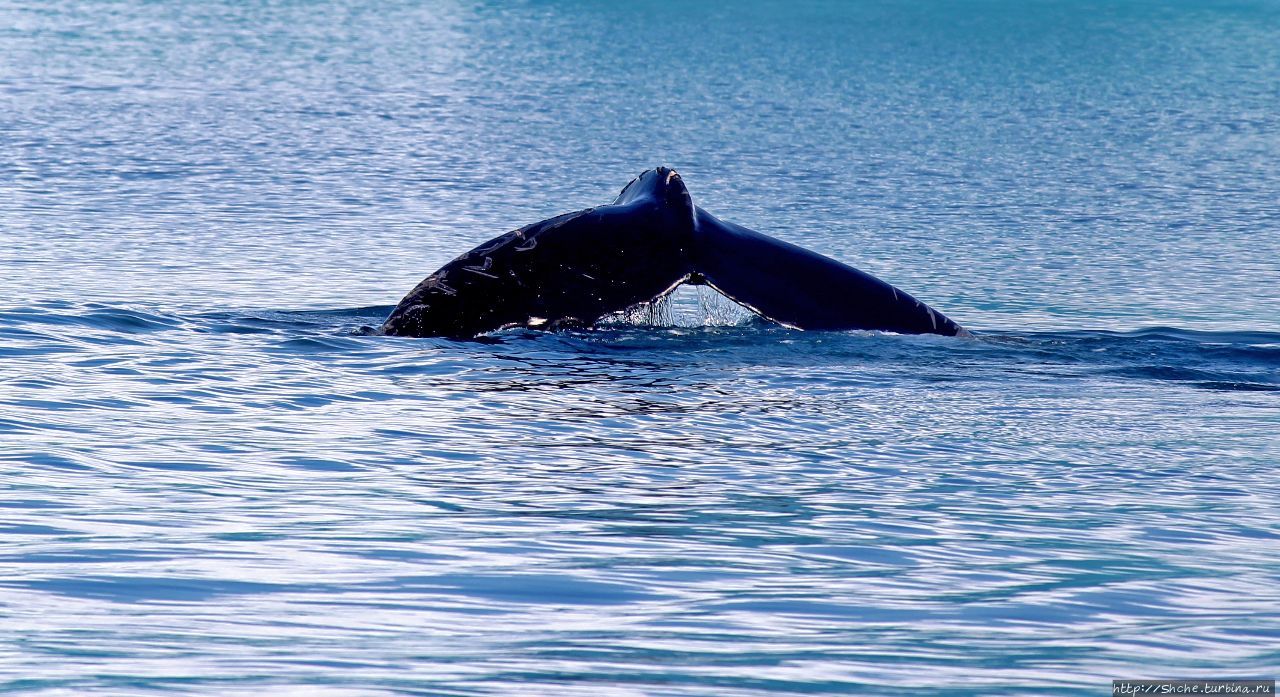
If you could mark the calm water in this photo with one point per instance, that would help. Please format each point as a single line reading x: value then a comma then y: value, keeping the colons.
x: 212, y: 483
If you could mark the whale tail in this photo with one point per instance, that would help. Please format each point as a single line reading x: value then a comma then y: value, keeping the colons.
x: 574, y: 269
x: 798, y: 288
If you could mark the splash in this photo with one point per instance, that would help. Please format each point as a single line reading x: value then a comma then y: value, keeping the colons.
x: 686, y: 306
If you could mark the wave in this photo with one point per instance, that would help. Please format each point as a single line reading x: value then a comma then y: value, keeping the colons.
x: 1217, y: 360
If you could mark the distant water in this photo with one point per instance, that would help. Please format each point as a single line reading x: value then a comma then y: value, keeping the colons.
x: 213, y: 483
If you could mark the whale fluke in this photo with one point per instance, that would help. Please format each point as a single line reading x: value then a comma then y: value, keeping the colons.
x: 574, y: 269
x: 799, y: 288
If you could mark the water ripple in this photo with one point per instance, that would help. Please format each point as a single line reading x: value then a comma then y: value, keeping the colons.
x: 1031, y: 507
x: 215, y: 479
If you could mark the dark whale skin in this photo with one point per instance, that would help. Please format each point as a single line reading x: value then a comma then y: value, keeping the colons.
x: 800, y: 288
x: 570, y: 270
x: 573, y: 269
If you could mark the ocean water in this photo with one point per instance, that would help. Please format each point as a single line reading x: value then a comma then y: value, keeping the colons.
x: 213, y: 483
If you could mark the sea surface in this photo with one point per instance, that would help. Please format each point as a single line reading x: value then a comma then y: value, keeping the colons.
x: 215, y: 481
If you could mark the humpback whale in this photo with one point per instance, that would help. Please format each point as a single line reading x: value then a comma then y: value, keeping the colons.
x: 574, y: 269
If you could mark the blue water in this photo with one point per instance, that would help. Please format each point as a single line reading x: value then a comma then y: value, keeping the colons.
x: 213, y: 483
